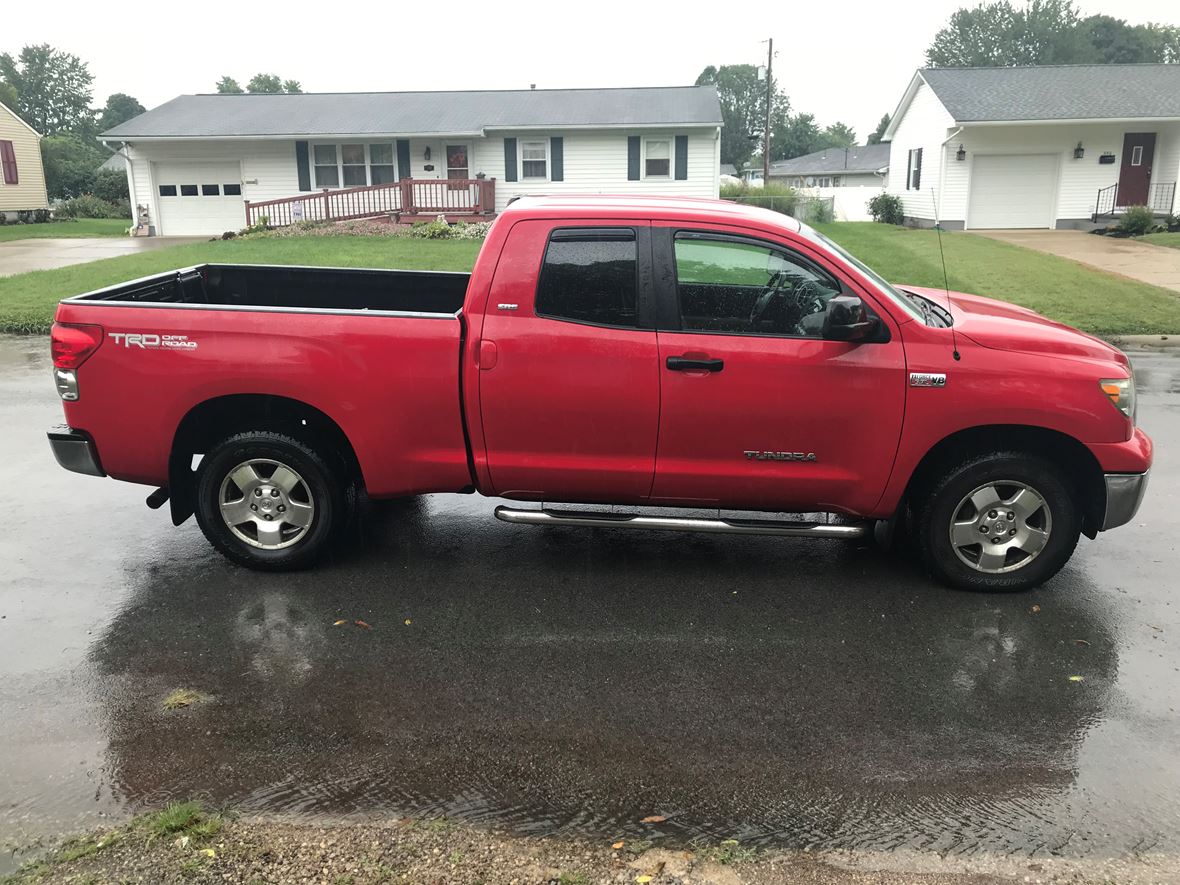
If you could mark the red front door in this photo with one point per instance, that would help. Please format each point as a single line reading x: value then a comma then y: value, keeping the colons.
x: 1135, y: 174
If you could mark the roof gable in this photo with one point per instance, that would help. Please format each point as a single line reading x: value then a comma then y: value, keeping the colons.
x: 421, y: 113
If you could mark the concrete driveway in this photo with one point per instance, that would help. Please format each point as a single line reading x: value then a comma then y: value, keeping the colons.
x: 1157, y: 265
x: 18, y: 256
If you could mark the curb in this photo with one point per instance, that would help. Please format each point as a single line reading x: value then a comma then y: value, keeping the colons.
x: 1147, y: 342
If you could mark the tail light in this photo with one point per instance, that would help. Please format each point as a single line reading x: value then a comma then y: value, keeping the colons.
x: 72, y: 345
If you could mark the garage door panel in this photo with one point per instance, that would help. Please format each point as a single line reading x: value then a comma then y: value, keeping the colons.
x: 199, y: 198
x: 1012, y: 190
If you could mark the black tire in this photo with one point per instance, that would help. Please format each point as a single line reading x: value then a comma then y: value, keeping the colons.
x: 939, y: 507
x: 331, y: 497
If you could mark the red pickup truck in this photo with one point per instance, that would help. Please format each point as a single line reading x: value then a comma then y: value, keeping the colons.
x: 640, y: 352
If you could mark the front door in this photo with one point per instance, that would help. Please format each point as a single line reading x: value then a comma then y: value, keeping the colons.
x: 1135, y: 174
x: 569, y: 392
x: 757, y: 410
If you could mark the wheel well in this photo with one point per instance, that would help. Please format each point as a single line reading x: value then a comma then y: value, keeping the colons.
x: 1082, y: 467
x: 213, y: 420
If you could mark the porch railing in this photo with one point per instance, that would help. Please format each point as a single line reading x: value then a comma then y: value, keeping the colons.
x: 1160, y: 197
x: 448, y: 196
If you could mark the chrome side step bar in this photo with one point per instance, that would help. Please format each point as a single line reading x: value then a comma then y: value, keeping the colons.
x: 680, y: 524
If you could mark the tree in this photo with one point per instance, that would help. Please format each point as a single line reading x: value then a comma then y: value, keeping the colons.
x: 879, y: 132
x: 228, y: 85
x: 265, y: 83
x: 8, y: 96
x: 837, y: 135
x: 119, y: 108
x: 71, y: 164
x: 52, y: 89
x: 292, y: 86
x: 795, y: 136
x: 743, y: 110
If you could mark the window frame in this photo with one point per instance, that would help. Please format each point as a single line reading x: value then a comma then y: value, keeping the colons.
x: 670, y: 142
x: 544, y: 142
x: 339, y: 147
x: 913, y: 170
x: 673, y: 233
x: 644, y: 301
x: 1137, y: 155
x: 9, y: 168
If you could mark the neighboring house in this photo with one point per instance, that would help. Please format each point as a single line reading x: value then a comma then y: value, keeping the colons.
x: 116, y: 162
x: 1038, y: 147
x: 857, y: 166
x: 196, y: 160
x: 22, y: 177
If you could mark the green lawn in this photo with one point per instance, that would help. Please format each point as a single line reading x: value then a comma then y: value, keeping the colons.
x: 1171, y: 240
x: 1100, y: 303
x: 83, y: 227
x: 1097, y: 302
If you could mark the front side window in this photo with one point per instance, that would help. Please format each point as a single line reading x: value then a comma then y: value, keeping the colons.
x: 534, y: 159
x: 657, y: 161
x: 326, y: 172
x: 381, y: 167
x: 741, y: 287
x: 914, y: 171
x: 8, y: 162
x: 590, y: 277
x: 352, y: 163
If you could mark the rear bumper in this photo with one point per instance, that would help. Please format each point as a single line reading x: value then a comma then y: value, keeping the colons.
x: 1124, y: 494
x: 75, y: 451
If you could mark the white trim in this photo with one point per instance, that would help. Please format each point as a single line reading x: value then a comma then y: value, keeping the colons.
x: 520, y: 143
x: 323, y: 137
x: 20, y: 120
x: 1073, y: 121
x: 669, y: 140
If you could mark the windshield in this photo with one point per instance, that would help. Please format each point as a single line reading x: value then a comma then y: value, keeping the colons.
x: 909, y: 302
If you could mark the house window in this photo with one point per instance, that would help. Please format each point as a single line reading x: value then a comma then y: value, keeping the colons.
x: 457, y: 162
x: 913, y: 180
x: 534, y: 159
x: 1137, y: 155
x: 188, y: 190
x: 381, y: 168
x: 327, y: 174
x: 352, y: 162
x: 657, y: 158
x: 167, y: 190
x: 210, y: 190
x: 231, y: 190
x: 8, y: 161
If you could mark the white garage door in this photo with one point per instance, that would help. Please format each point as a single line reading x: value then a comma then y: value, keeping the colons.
x: 1012, y: 191
x: 199, y: 198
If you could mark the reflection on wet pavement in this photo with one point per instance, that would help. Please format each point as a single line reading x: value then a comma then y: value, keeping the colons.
x: 806, y: 694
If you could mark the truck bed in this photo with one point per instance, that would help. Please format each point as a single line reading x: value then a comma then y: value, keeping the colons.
x: 279, y: 287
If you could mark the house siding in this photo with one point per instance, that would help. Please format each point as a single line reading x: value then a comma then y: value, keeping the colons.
x: 925, y: 124
x: 29, y: 191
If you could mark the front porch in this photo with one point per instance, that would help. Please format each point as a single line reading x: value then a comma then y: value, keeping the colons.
x: 401, y: 202
x: 1111, y: 202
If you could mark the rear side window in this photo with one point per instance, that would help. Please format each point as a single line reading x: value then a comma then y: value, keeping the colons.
x: 590, y: 276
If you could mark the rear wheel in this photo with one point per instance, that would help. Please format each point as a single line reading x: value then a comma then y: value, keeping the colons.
x: 269, y: 501
x: 1002, y: 521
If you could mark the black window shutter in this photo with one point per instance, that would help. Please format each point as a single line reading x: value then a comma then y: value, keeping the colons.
x: 510, y: 159
x: 681, y: 158
x: 556, y: 159
x: 302, y: 164
x: 403, y: 159
x: 918, y: 169
x: 633, y: 158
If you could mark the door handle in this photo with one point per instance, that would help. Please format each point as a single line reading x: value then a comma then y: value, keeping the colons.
x: 686, y: 364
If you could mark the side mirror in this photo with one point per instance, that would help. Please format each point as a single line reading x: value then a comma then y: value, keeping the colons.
x: 847, y: 319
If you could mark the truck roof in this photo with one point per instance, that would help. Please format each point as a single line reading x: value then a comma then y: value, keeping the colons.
x: 647, y: 207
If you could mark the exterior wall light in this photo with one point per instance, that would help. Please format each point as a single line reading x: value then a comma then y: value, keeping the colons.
x: 426, y: 154
x: 1079, y: 151
x: 960, y: 154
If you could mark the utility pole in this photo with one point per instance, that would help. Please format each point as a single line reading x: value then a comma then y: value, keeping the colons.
x: 766, y: 130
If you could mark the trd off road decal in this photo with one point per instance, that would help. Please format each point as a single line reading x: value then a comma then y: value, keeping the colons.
x: 779, y: 456
x: 149, y: 340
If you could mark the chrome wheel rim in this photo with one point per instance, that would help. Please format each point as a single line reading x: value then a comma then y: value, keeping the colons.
x: 266, y: 504
x: 1000, y: 527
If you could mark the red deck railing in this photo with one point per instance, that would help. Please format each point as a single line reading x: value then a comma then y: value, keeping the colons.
x: 453, y: 196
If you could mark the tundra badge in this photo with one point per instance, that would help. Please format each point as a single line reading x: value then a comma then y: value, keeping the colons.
x: 779, y: 456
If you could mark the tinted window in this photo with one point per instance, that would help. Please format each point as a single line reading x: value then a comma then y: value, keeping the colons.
x: 188, y: 190
x: 232, y: 190
x: 167, y: 190
x: 590, y: 278
x: 210, y: 190
x: 747, y: 288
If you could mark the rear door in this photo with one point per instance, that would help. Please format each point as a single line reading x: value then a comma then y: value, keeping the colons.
x: 569, y: 383
x: 758, y: 411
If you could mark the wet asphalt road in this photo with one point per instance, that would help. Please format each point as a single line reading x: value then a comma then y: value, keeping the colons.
x: 778, y: 691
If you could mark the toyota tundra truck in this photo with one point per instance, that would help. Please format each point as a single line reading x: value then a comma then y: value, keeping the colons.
x: 661, y: 355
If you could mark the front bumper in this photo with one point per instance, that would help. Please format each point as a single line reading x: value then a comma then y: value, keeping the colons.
x: 1124, y: 494
x: 75, y: 451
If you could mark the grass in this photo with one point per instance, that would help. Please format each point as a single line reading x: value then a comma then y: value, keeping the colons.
x: 1089, y: 299
x: 183, y: 697
x: 1097, y: 302
x: 182, y: 819
x: 1171, y: 240
x: 83, y: 227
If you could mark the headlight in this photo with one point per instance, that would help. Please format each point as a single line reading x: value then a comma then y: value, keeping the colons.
x: 1121, y: 392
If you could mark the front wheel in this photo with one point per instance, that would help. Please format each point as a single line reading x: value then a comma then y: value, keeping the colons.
x: 269, y: 501
x: 1003, y: 521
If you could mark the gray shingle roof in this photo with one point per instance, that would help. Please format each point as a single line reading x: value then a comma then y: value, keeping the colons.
x: 1063, y: 92
x: 858, y: 158
x: 411, y: 113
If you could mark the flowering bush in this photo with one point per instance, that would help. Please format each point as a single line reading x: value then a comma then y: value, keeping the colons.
x: 438, y: 229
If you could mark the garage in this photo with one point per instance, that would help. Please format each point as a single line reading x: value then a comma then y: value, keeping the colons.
x: 1012, y: 191
x: 198, y: 198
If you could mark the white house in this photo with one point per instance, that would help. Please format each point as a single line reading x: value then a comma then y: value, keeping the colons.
x: 861, y: 165
x: 200, y: 164
x: 1066, y: 146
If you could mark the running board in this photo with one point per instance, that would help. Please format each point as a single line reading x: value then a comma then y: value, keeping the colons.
x: 681, y: 524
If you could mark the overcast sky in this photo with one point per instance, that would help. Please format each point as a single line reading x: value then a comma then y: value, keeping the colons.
x: 846, y: 61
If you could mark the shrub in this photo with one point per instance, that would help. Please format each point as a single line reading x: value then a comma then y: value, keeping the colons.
x: 1172, y: 223
x: 90, y: 206
x: 886, y: 208
x: 111, y: 185
x: 819, y: 211
x: 1136, y: 221
x: 775, y: 197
